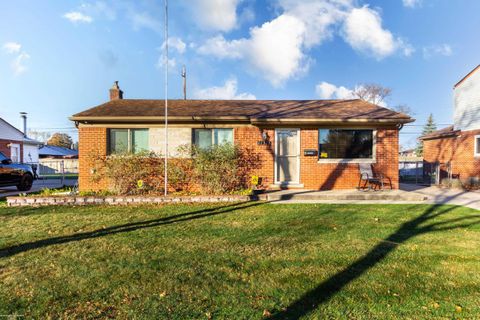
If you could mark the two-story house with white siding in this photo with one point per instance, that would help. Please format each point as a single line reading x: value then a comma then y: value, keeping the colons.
x: 457, y: 148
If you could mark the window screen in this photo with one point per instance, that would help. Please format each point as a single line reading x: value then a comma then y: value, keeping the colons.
x: 202, y: 138
x: 118, y: 141
x: 139, y: 140
x: 205, y: 138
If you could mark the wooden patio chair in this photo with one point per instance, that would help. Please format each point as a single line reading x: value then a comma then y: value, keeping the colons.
x: 370, y: 178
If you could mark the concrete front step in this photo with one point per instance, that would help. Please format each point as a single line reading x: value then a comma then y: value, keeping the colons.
x: 355, y: 195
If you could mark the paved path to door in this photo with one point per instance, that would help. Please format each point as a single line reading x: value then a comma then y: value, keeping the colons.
x: 438, y: 195
x: 408, y: 194
x: 37, y: 186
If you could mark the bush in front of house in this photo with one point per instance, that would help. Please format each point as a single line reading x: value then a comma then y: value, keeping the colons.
x: 143, y: 173
x: 224, y: 168
x: 219, y: 169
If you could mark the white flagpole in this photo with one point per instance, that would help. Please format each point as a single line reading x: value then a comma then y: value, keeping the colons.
x: 166, y: 98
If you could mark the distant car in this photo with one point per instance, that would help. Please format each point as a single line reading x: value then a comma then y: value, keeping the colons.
x: 15, y: 174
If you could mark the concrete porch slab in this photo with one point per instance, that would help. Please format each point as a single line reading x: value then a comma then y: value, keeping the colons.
x: 342, y: 195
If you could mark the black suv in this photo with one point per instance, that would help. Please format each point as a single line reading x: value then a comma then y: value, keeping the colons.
x: 15, y: 174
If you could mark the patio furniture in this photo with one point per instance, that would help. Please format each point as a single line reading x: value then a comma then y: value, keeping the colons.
x: 370, y: 178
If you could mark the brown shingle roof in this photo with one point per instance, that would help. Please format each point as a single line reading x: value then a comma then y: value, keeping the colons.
x: 248, y: 110
x: 442, y: 133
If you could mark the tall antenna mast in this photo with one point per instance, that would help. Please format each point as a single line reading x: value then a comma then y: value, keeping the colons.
x: 166, y: 99
x: 184, y: 76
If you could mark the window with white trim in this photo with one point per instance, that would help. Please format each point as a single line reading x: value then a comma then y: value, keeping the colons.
x: 127, y: 141
x: 205, y: 138
x: 477, y: 146
x: 345, y: 144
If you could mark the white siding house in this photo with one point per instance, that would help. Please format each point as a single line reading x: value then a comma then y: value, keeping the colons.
x: 16, y: 146
x: 467, y: 102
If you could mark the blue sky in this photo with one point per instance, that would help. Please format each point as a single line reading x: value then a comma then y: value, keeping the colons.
x: 60, y: 57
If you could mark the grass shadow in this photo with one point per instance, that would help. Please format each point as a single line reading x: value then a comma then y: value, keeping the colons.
x: 412, y: 228
x: 128, y: 227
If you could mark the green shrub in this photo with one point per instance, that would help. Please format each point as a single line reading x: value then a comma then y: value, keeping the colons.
x: 217, y: 170
x: 224, y: 168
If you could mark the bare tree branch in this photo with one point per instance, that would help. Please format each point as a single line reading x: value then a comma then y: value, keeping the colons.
x: 373, y: 93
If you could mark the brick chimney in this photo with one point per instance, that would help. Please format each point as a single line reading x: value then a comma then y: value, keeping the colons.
x: 115, y: 92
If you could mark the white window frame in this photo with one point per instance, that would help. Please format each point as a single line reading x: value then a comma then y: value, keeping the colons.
x: 476, y: 151
x: 213, y: 134
x: 129, y: 139
x: 356, y: 160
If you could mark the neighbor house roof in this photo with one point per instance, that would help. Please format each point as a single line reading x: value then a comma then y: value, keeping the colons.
x: 21, y: 135
x: 254, y: 111
x: 467, y: 76
x: 442, y: 133
x: 55, y: 151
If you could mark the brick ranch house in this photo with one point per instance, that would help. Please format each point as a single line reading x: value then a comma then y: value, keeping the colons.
x: 313, y: 144
x: 456, y: 149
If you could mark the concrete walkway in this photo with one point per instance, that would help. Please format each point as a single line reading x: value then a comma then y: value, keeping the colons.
x: 408, y: 194
x: 37, y: 186
x: 437, y: 195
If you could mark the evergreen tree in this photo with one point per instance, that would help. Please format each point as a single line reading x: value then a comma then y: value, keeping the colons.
x: 429, y: 127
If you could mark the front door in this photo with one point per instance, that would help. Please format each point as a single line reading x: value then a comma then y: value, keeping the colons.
x: 287, y: 156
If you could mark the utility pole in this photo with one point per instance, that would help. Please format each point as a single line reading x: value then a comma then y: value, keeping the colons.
x: 166, y: 99
x: 184, y: 76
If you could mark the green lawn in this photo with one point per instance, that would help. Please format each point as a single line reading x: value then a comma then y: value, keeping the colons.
x: 244, y: 261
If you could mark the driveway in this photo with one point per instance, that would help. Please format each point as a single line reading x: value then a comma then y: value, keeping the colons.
x: 438, y: 195
x: 37, y: 186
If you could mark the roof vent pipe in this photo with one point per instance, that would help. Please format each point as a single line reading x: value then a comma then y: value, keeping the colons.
x: 184, y: 76
x: 23, y: 115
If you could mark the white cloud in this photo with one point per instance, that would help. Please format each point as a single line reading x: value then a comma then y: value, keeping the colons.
x: 228, y: 92
x: 219, y: 15
x: 437, y: 50
x: 279, y: 49
x: 172, y: 62
x: 12, y: 47
x: 327, y: 90
x: 221, y: 48
x: 18, y: 64
x: 319, y: 17
x: 364, y: 32
x: 412, y: 3
x: 77, y: 17
x: 100, y: 8
x: 175, y: 43
x: 274, y: 49
x: 145, y: 20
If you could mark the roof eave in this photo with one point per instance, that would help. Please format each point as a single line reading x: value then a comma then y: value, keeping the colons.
x: 239, y: 119
x: 330, y: 121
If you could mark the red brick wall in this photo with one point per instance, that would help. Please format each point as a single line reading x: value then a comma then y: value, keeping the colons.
x: 322, y: 176
x: 248, y: 137
x: 457, y: 150
x: 314, y: 175
x: 326, y: 176
x: 6, y: 150
x: 92, y: 143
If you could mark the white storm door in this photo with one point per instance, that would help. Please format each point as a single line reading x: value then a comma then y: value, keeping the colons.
x: 287, y: 156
